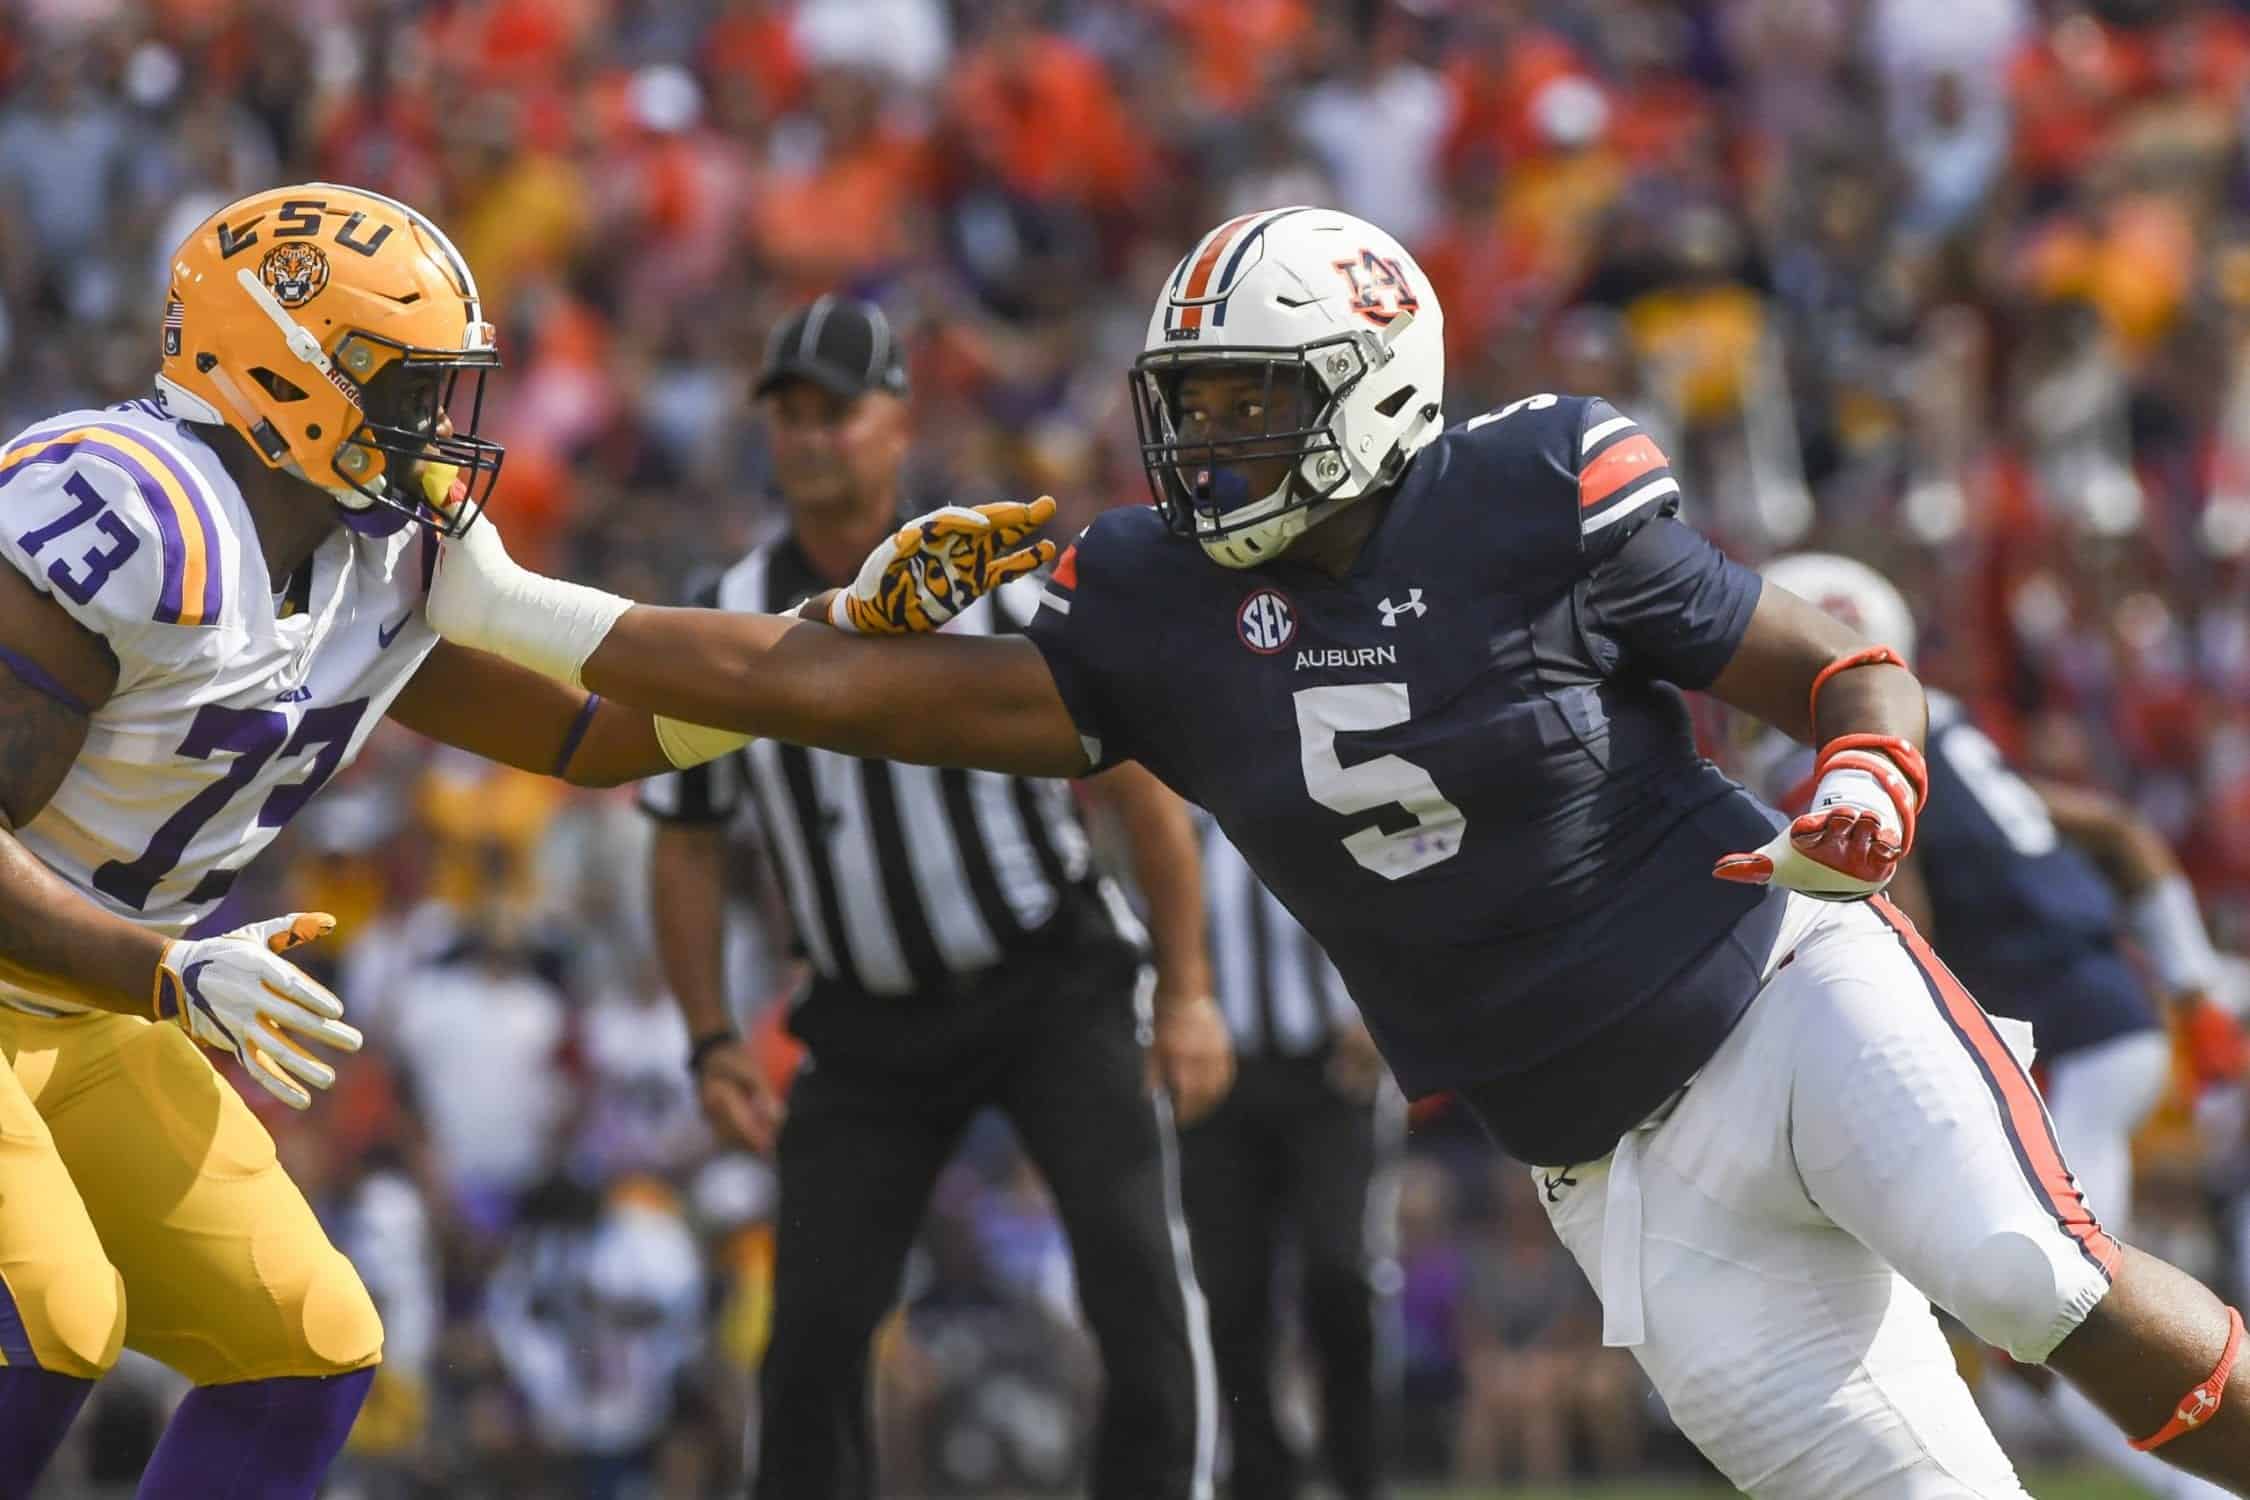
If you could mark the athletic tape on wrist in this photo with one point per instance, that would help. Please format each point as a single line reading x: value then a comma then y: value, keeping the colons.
x: 686, y: 744
x: 1894, y: 763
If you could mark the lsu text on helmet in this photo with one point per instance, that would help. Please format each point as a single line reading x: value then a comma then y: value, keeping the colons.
x: 1316, y: 299
x: 340, y: 333
x: 1851, y: 591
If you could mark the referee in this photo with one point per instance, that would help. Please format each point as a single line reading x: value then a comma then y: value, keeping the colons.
x: 1306, y: 1138
x: 965, y: 952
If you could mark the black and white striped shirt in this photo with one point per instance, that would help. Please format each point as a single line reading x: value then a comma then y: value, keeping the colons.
x: 897, y: 876
x: 1280, y: 994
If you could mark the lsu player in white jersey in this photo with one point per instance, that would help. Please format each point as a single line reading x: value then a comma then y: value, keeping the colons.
x: 211, y: 597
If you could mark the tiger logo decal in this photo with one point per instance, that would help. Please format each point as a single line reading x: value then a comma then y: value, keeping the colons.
x: 295, y: 271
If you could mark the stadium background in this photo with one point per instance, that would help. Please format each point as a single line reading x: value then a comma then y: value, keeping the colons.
x: 1961, y: 287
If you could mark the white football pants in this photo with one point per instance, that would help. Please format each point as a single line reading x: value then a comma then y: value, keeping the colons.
x: 1865, y: 1143
x: 2098, y: 1097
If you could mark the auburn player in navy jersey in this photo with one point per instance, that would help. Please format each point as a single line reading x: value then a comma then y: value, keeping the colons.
x: 1429, y: 680
x: 2030, y: 892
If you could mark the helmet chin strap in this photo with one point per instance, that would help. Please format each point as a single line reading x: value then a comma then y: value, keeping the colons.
x: 1232, y: 550
x: 372, y: 520
x: 361, y: 514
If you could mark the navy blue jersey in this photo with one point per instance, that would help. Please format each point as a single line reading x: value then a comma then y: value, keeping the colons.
x: 2022, y: 915
x: 1464, y: 766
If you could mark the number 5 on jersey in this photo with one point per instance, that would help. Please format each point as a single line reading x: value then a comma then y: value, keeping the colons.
x: 1385, y: 781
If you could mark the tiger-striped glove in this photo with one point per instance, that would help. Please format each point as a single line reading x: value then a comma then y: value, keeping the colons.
x: 234, y: 993
x: 936, y: 566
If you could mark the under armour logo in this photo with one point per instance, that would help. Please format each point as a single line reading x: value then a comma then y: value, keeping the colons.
x: 2197, y: 1407
x: 1555, y: 1183
x: 1413, y: 605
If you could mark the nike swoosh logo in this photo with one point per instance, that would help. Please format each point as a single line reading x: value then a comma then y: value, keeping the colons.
x: 384, y: 637
x: 190, y: 981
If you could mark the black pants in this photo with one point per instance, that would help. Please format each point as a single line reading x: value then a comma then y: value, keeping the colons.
x: 1060, y: 1057
x: 1285, y: 1148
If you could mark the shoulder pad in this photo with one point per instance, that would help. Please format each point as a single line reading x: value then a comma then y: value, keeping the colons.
x: 1576, y: 473
x: 1127, y: 528
x: 115, y: 522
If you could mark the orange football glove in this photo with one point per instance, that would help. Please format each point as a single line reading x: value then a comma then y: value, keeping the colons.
x: 1861, y: 824
x: 2217, y: 1050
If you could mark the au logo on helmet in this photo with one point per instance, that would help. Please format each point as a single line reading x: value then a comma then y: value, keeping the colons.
x: 1380, y: 290
x: 295, y: 271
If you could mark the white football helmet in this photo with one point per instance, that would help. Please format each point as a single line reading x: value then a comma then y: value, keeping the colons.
x: 1317, y: 298
x: 1851, y: 591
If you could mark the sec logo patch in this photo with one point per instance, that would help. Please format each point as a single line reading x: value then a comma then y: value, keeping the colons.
x: 1267, y: 621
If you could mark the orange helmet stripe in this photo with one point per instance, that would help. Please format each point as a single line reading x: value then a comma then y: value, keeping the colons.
x: 190, y: 592
x: 1199, y: 279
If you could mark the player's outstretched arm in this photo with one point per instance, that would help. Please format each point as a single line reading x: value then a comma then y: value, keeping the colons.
x: 477, y: 702
x: 2161, y: 911
x: 932, y: 699
x: 2163, y: 918
x: 943, y: 700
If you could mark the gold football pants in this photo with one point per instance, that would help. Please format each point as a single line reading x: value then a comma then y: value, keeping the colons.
x: 141, y: 1203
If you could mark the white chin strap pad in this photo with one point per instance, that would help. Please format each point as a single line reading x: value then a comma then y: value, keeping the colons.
x: 1266, y: 540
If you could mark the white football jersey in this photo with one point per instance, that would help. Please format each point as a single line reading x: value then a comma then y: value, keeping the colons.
x: 229, y: 713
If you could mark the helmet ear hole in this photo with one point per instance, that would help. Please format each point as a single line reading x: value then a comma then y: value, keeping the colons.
x: 276, y: 386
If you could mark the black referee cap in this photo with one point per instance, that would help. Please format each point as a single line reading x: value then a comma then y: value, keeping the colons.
x: 841, y: 344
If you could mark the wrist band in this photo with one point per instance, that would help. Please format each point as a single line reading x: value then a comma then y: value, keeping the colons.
x: 1866, y: 656
x: 704, y: 1046
x: 2201, y: 1403
x: 576, y: 733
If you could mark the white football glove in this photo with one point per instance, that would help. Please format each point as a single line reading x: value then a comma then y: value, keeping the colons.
x: 481, y: 597
x: 937, y: 565
x: 233, y: 993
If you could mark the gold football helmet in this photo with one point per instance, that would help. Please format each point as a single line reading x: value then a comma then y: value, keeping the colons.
x: 339, y: 332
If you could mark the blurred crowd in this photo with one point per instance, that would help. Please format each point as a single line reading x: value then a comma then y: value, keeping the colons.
x: 1961, y: 287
